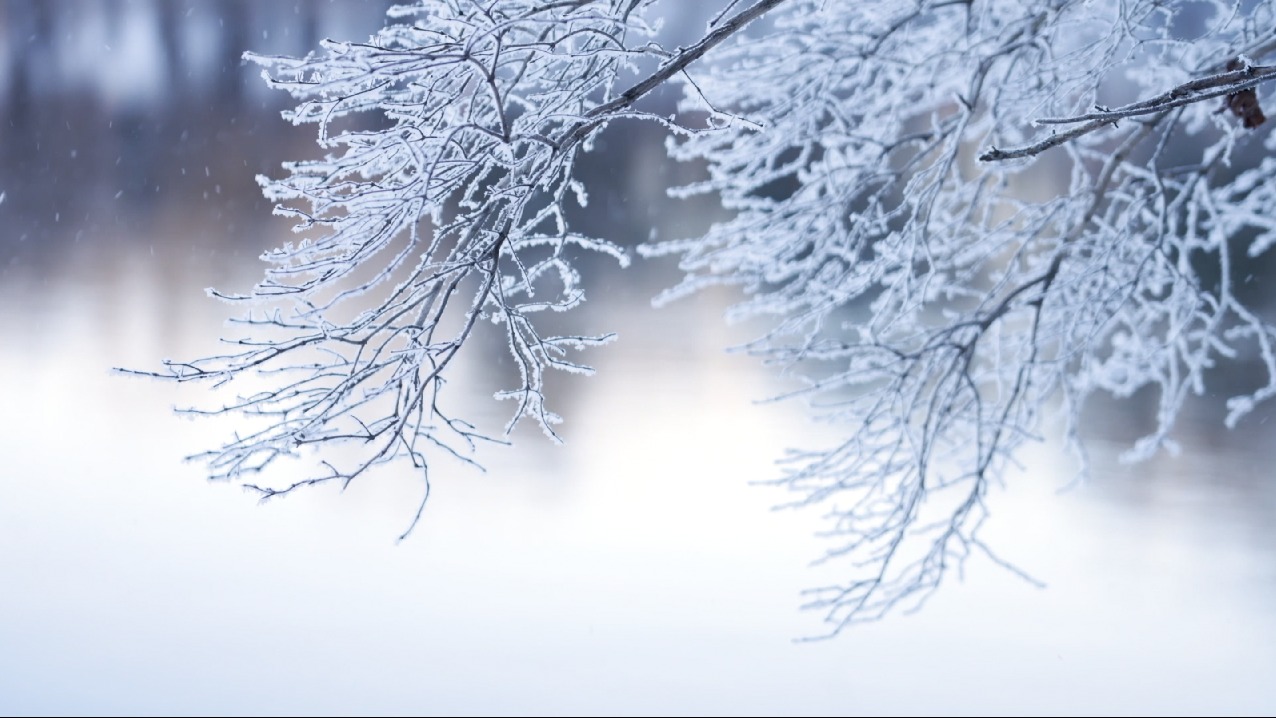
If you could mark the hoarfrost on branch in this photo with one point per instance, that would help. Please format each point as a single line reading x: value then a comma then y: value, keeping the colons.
x: 956, y: 216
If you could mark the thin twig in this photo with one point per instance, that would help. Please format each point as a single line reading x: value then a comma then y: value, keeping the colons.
x: 1198, y: 90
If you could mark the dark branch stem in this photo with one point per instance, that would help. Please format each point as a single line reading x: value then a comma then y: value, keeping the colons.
x: 668, y: 70
x: 1198, y: 90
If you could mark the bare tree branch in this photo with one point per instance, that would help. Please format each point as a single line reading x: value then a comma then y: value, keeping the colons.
x: 1199, y: 90
x: 935, y: 309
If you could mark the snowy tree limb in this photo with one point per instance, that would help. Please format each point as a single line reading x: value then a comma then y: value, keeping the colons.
x: 1199, y: 90
x: 935, y: 309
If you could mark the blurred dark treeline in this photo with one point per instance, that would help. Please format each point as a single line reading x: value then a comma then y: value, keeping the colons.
x: 117, y: 112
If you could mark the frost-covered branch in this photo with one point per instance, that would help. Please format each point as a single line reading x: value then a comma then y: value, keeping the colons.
x: 1227, y: 84
x: 937, y: 309
x: 442, y: 208
x: 933, y: 303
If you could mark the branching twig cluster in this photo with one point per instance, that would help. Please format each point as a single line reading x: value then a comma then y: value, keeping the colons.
x: 451, y: 215
x: 925, y: 295
x: 927, y: 304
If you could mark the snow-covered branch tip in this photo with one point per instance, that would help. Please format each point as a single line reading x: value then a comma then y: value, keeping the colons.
x: 1236, y: 85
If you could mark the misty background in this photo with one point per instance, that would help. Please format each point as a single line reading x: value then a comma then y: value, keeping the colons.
x: 634, y: 570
